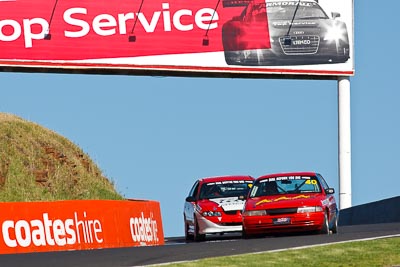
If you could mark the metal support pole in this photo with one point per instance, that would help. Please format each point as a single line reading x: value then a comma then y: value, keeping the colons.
x: 344, y: 142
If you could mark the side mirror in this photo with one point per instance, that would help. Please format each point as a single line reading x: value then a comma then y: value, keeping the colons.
x: 330, y: 191
x: 335, y: 15
x: 191, y: 199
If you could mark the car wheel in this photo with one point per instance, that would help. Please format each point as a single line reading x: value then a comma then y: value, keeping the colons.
x: 325, y: 226
x: 334, y: 228
x: 245, y: 235
x: 229, y: 57
x: 197, y: 236
x: 188, y: 237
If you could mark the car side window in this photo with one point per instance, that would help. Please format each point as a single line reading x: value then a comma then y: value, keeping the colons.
x: 194, y: 190
x: 323, y: 182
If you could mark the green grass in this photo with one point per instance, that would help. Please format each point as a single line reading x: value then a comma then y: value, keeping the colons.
x: 379, y: 252
x: 37, y: 164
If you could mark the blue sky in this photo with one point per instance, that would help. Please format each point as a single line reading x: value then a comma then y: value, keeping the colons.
x: 154, y: 136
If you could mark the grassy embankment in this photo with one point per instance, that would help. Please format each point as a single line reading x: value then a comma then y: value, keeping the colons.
x: 380, y: 252
x: 37, y: 164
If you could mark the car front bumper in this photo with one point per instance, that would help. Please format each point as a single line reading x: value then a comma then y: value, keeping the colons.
x: 298, y: 222
x: 324, y: 53
x: 208, y: 227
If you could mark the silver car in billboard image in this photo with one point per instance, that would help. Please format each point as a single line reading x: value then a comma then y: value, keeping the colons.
x: 277, y: 32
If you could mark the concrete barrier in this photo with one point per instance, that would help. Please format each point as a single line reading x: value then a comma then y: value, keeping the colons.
x: 383, y: 211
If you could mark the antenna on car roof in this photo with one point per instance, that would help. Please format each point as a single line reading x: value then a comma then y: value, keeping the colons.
x: 206, y: 42
x: 132, y: 37
x: 287, y: 40
x: 47, y: 35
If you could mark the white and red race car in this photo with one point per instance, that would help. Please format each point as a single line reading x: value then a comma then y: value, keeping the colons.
x: 214, y: 206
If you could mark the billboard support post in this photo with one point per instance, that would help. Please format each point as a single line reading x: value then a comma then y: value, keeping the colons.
x: 344, y: 142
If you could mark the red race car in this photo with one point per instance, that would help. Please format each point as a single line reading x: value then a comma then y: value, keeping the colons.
x: 290, y: 202
x: 214, y: 206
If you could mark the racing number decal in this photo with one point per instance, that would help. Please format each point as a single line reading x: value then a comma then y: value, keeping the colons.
x: 314, y: 182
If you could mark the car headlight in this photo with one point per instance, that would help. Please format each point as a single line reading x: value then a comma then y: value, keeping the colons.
x: 309, y: 209
x: 254, y: 213
x: 211, y: 213
x: 335, y: 33
x: 198, y: 208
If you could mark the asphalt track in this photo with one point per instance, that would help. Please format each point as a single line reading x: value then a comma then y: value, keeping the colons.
x: 176, y: 249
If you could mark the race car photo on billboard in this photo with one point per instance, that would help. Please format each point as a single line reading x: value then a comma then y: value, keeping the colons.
x: 290, y: 202
x: 214, y: 206
x: 277, y: 32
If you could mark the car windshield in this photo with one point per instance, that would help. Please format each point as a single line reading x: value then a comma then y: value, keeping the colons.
x: 287, y: 9
x: 225, y: 189
x: 285, y: 185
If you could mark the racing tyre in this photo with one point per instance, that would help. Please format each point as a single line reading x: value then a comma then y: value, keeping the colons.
x: 188, y: 237
x: 245, y: 235
x: 325, y: 226
x: 229, y: 58
x: 334, y: 228
x: 197, y: 237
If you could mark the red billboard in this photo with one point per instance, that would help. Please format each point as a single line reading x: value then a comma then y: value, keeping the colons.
x: 79, y: 225
x: 209, y: 36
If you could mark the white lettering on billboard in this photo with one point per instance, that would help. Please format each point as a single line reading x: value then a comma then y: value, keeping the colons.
x: 107, y: 24
x: 16, y: 30
x: 48, y: 232
x: 144, y: 229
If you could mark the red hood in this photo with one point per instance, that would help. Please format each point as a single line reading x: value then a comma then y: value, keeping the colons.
x: 283, y: 201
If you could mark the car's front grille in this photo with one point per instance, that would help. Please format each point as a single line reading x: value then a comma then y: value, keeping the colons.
x: 299, y: 45
x: 231, y: 224
x: 281, y: 211
x: 231, y: 212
